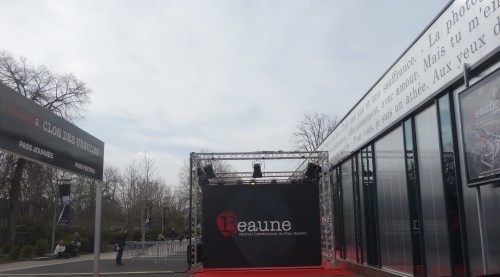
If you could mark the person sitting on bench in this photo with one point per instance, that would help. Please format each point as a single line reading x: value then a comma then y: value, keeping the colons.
x: 71, y: 249
x: 60, y: 248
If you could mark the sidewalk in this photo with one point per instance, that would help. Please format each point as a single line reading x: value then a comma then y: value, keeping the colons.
x: 37, y: 263
x: 175, y: 267
x: 84, y: 265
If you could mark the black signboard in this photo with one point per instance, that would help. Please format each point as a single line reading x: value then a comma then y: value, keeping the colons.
x: 480, y: 115
x: 266, y: 225
x: 31, y: 131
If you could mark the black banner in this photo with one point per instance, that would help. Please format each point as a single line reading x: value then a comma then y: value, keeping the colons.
x: 480, y: 115
x: 267, y: 225
x: 64, y: 198
x: 31, y: 131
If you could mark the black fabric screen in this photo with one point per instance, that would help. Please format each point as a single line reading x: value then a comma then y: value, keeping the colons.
x: 266, y: 225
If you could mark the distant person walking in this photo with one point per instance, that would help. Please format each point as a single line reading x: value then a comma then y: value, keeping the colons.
x: 120, y: 239
x: 172, y: 234
x: 78, y: 243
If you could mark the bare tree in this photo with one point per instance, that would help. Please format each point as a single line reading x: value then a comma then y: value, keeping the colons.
x: 127, y: 193
x: 148, y: 189
x: 35, y: 195
x: 111, y: 181
x: 140, y: 190
x: 62, y: 94
x: 82, y: 201
x: 7, y: 163
x: 310, y: 132
x: 183, y: 192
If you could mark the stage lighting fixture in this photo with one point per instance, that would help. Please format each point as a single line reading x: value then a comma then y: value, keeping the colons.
x: 313, y: 170
x: 257, y: 173
x: 202, y: 176
x: 199, y: 171
x: 209, y: 170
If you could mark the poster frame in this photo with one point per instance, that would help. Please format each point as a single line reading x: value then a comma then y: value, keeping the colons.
x: 473, y: 178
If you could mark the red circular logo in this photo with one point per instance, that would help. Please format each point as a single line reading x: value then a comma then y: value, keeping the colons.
x: 227, y: 223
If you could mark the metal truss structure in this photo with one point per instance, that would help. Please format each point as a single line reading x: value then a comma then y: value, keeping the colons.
x: 198, y: 160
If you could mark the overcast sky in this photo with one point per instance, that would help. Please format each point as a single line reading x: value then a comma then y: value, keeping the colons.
x: 174, y: 77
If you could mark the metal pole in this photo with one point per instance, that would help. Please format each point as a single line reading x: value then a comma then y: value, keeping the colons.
x: 482, y: 232
x: 53, y: 247
x: 97, y: 231
x: 190, y: 228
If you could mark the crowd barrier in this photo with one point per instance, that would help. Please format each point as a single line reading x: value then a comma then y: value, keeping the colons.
x: 159, y: 251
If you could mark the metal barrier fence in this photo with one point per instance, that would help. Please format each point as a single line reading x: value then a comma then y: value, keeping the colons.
x: 159, y: 251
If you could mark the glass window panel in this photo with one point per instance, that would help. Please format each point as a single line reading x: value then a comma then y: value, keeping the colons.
x: 336, y: 201
x: 450, y: 184
x: 394, y: 221
x: 413, y: 197
x: 349, y: 219
x: 435, y: 226
x: 490, y: 194
x: 369, y: 208
x: 362, y: 211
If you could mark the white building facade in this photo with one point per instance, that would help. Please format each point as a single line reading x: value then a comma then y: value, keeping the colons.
x: 415, y: 164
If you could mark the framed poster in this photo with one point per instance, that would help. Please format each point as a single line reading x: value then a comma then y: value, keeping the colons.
x: 480, y: 116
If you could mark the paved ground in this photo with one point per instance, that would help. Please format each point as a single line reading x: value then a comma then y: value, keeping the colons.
x: 84, y: 266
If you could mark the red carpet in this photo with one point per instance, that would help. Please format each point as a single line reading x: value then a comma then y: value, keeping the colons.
x: 271, y: 272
